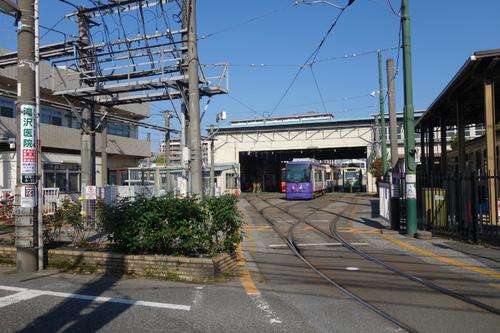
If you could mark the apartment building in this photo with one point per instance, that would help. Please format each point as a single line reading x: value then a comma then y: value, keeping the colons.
x: 60, y: 136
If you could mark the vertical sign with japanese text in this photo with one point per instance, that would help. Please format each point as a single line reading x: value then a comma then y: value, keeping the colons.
x: 28, y: 145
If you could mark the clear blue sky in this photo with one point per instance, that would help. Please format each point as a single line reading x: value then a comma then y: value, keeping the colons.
x: 444, y: 34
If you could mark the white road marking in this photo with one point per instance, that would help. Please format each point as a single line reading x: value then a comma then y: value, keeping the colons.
x: 266, y: 308
x: 18, y: 297
x: 24, y: 294
x: 352, y: 268
x: 198, y: 295
x: 282, y: 246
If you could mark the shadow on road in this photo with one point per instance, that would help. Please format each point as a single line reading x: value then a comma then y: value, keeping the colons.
x: 75, y: 315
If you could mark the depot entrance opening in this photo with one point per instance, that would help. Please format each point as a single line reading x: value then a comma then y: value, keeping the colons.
x: 262, y: 170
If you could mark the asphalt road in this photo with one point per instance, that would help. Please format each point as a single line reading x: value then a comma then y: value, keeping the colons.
x: 275, y: 291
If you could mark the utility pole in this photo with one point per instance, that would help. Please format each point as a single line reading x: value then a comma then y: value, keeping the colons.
x: 38, y: 137
x: 212, y: 162
x: 410, y: 167
x: 184, y: 139
x: 148, y: 161
x: 87, y: 177
x: 382, y: 114
x: 393, y: 120
x: 166, y: 148
x: 26, y: 147
x: 104, y: 152
x: 194, y: 104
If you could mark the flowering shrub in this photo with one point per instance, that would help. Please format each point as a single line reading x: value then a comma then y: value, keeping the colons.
x: 7, y: 214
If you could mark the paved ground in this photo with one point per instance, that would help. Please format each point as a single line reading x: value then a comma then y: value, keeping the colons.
x: 276, y: 291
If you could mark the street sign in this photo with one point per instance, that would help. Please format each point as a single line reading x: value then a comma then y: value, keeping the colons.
x: 90, y: 192
x: 28, y: 196
x: 28, y: 145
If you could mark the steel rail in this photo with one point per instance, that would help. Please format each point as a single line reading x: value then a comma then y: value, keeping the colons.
x: 289, y: 240
x: 334, y: 234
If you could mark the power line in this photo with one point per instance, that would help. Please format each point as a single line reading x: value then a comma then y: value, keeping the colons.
x: 342, y: 99
x: 253, y: 19
x: 392, y: 9
x: 346, y: 56
x: 318, y: 89
x: 312, y: 57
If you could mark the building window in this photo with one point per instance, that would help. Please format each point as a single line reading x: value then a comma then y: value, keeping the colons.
x: 119, y: 129
x: 231, y: 181
x: 64, y: 176
x: 479, y: 129
x: 51, y: 116
x: 6, y: 108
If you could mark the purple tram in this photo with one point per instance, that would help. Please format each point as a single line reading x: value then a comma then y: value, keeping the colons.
x: 305, y: 179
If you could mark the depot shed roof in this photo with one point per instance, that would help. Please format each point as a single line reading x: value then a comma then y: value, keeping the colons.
x: 465, y: 90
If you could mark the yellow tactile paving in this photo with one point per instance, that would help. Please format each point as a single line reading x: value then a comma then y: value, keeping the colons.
x: 442, y: 259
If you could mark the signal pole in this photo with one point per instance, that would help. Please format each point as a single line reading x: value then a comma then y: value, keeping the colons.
x: 409, y: 120
x: 26, y: 147
x: 382, y: 114
x: 194, y: 104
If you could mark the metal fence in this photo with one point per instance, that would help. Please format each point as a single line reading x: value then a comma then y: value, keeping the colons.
x: 457, y: 205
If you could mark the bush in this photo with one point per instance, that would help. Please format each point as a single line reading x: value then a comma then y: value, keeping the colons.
x: 174, y: 226
x: 69, y: 216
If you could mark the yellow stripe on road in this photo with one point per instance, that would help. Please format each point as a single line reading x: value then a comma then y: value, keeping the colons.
x: 245, y: 277
x: 442, y: 259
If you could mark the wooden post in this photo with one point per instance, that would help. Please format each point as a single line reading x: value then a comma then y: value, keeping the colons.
x: 491, y: 151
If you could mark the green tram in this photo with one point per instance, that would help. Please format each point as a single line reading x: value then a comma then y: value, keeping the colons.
x: 348, y: 179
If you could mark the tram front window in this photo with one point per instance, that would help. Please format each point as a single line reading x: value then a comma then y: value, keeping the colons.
x: 352, y: 175
x: 298, y: 173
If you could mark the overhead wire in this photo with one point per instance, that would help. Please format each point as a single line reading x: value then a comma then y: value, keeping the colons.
x: 250, y: 20
x: 311, y: 58
x: 317, y: 61
x: 318, y: 89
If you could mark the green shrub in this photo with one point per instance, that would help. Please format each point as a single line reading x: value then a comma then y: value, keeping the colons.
x: 171, y: 225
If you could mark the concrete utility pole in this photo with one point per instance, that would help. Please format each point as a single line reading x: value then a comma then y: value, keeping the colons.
x: 104, y: 152
x: 38, y: 137
x: 166, y: 148
x: 26, y: 147
x: 393, y: 121
x: 212, y: 163
x: 194, y: 104
x: 410, y: 166
x: 87, y: 176
x: 383, y: 138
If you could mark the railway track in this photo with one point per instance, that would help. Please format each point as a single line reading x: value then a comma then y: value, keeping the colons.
x: 334, y: 234
x: 289, y: 240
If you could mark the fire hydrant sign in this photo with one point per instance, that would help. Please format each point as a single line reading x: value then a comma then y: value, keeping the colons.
x: 28, y: 145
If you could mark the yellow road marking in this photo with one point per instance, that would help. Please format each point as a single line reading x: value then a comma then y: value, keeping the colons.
x: 445, y: 260
x: 245, y: 277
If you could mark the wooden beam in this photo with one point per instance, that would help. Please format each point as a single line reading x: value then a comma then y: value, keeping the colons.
x: 490, y: 124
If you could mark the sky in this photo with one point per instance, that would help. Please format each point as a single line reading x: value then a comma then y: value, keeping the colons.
x: 265, y: 41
